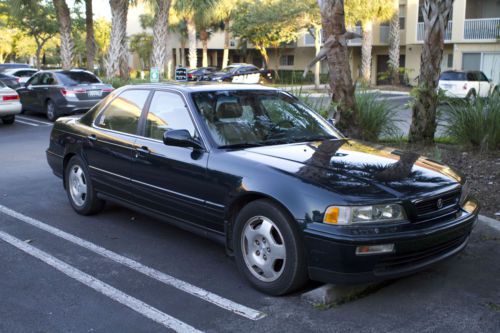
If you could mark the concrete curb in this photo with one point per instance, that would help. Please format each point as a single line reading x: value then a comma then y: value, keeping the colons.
x: 495, y: 224
x: 330, y: 294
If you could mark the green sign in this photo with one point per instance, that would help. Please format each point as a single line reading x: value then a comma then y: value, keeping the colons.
x: 154, y: 74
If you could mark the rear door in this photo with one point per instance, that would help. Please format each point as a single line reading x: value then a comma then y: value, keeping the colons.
x: 484, y: 85
x: 171, y: 180
x: 27, y: 93
x: 109, y: 148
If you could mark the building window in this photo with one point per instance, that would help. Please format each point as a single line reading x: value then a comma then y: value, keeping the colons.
x: 402, y: 17
x: 450, y: 60
x: 471, y: 61
x: 287, y: 60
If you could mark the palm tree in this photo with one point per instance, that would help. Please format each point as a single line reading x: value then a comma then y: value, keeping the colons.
x: 367, y: 12
x: 223, y: 11
x: 394, y: 31
x: 89, y: 39
x: 160, y: 33
x: 436, y: 14
x: 187, y: 10
x: 64, y: 18
x: 117, y: 44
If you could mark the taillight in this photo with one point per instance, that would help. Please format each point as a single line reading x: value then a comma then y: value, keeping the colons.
x: 71, y: 93
x: 108, y: 89
x: 10, y: 98
x: 465, y: 86
x: 190, y: 76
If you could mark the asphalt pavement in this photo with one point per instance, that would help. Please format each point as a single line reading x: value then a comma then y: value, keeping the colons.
x: 121, y: 271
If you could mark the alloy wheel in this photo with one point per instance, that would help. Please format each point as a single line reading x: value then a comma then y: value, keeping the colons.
x: 77, y: 185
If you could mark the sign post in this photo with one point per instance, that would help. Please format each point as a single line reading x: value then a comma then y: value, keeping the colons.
x: 181, y: 74
x: 154, y: 74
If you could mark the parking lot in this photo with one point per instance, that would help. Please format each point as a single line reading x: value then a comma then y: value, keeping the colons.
x: 121, y: 271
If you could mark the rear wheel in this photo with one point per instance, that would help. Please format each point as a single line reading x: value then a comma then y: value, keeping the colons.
x: 268, y: 249
x: 80, y: 190
x: 9, y: 120
x: 471, y: 97
x: 51, y: 109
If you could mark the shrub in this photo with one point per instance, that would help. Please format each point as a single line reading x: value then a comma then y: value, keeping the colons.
x: 475, y: 123
x: 377, y: 118
x: 295, y: 77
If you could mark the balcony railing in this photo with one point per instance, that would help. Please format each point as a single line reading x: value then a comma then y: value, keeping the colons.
x: 488, y: 28
x: 421, y: 31
x: 309, y: 39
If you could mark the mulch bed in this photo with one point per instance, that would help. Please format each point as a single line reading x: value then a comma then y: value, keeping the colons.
x: 481, y: 169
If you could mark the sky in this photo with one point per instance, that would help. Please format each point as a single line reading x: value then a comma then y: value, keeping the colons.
x: 100, y: 7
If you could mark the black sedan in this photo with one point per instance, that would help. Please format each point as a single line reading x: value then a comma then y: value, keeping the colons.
x: 62, y: 92
x: 242, y: 73
x: 201, y: 74
x: 254, y: 168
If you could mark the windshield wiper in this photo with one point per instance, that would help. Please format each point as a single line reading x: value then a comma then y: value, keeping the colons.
x: 313, y: 138
x: 241, y: 145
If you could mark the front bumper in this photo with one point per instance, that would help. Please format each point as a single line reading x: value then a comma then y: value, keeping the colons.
x: 333, y: 259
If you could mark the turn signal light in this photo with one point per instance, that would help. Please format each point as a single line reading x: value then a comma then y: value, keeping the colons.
x: 374, y: 249
x: 10, y: 98
x: 332, y: 215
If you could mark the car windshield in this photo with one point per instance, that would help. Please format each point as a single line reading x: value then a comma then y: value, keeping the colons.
x: 453, y: 76
x: 238, y: 119
x: 74, y: 78
x: 228, y: 69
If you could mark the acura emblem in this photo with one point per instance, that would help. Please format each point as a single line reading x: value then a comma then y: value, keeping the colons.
x: 439, y: 203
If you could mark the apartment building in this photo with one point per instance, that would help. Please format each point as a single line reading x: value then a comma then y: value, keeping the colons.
x: 471, y: 43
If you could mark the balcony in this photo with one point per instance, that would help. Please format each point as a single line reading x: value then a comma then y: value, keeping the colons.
x: 481, y: 29
x: 309, y: 39
x: 421, y: 31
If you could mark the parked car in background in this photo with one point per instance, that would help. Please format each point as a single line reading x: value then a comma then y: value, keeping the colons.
x: 23, y: 74
x: 465, y: 84
x: 62, y: 92
x: 9, y: 104
x: 257, y: 170
x: 201, y: 74
x: 10, y: 80
x: 242, y: 73
x: 10, y: 65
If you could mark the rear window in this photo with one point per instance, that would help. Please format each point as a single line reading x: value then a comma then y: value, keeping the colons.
x: 453, y: 76
x: 74, y: 78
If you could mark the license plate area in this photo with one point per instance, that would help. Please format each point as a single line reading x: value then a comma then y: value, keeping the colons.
x: 94, y: 93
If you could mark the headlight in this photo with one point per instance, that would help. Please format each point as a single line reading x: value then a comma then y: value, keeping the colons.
x: 343, y: 215
x: 464, y: 194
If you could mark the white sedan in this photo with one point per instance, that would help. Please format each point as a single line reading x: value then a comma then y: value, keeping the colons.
x: 23, y: 74
x: 9, y: 104
x: 465, y: 84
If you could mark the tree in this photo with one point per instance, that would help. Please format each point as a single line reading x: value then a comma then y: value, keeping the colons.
x: 186, y: 10
x: 160, y: 45
x: 367, y: 12
x: 436, y: 14
x: 311, y: 20
x: 102, y: 37
x: 90, y: 39
x: 117, y: 45
x: 266, y: 24
x: 64, y: 19
x: 394, y: 31
x: 142, y: 44
x: 336, y: 52
x: 224, y: 11
x: 36, y: 19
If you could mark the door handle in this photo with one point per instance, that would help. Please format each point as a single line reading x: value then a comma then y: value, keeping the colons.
x: 92, y: 137
x: 142, y: 150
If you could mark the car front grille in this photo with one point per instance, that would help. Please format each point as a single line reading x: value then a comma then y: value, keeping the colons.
x: 446, y: 204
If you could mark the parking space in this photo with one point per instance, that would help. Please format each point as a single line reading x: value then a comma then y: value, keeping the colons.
x: 121, y: 271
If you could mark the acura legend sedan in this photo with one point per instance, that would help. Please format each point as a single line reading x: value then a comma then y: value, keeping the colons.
x: 252, y: 167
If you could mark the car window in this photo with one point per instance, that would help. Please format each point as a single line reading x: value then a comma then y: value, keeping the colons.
x: 47, y: 79
x: 25, y: 73
x: 35, y: 80
x: 472, y: 76
x: 167, y: 112
x: 453, y: 76
x: 482, y: 77
x: 123, y: 113
x: 74, y: 78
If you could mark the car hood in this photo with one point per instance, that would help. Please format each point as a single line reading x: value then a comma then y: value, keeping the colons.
x: 353, y: 168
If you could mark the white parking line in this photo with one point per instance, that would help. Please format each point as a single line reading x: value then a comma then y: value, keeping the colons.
x: 34, y: 120
x: 203, y: 294
x: 133, y: 303
x: 26, y: 123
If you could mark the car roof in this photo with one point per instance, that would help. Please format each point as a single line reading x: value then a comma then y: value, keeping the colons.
x: 17, y: 69
x: 190, y: 87
x: 63, y: 71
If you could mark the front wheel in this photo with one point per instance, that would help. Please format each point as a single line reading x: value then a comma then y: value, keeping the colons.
x: 80, y: 190
x: 52, y: 114
x: 268, y: 248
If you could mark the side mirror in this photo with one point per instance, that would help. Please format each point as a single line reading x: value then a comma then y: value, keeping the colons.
x: 180, y: 138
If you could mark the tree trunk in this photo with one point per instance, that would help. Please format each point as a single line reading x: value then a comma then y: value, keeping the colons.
x: 436, y: 14
x: 160, y: 33
x: 169, y: 59
x: 191, y: 29
x: 366, y: 52
x: 333, y: 22
x: 264, y: 54
x: 225, y: 56
x: 119, y: 10
x: 317, y: 48
x: 394, y: 31
x: 183, y: 53
x: 37, y: 54
x: 204, y: 43
x: 64, y: 18
x: 90, y: 40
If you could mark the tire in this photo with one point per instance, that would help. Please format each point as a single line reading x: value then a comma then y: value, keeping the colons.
x: 471, y: 97
x: 268, y: 248
x: 79, y: 188
x: 51, y: 111
x: 9, y: 120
